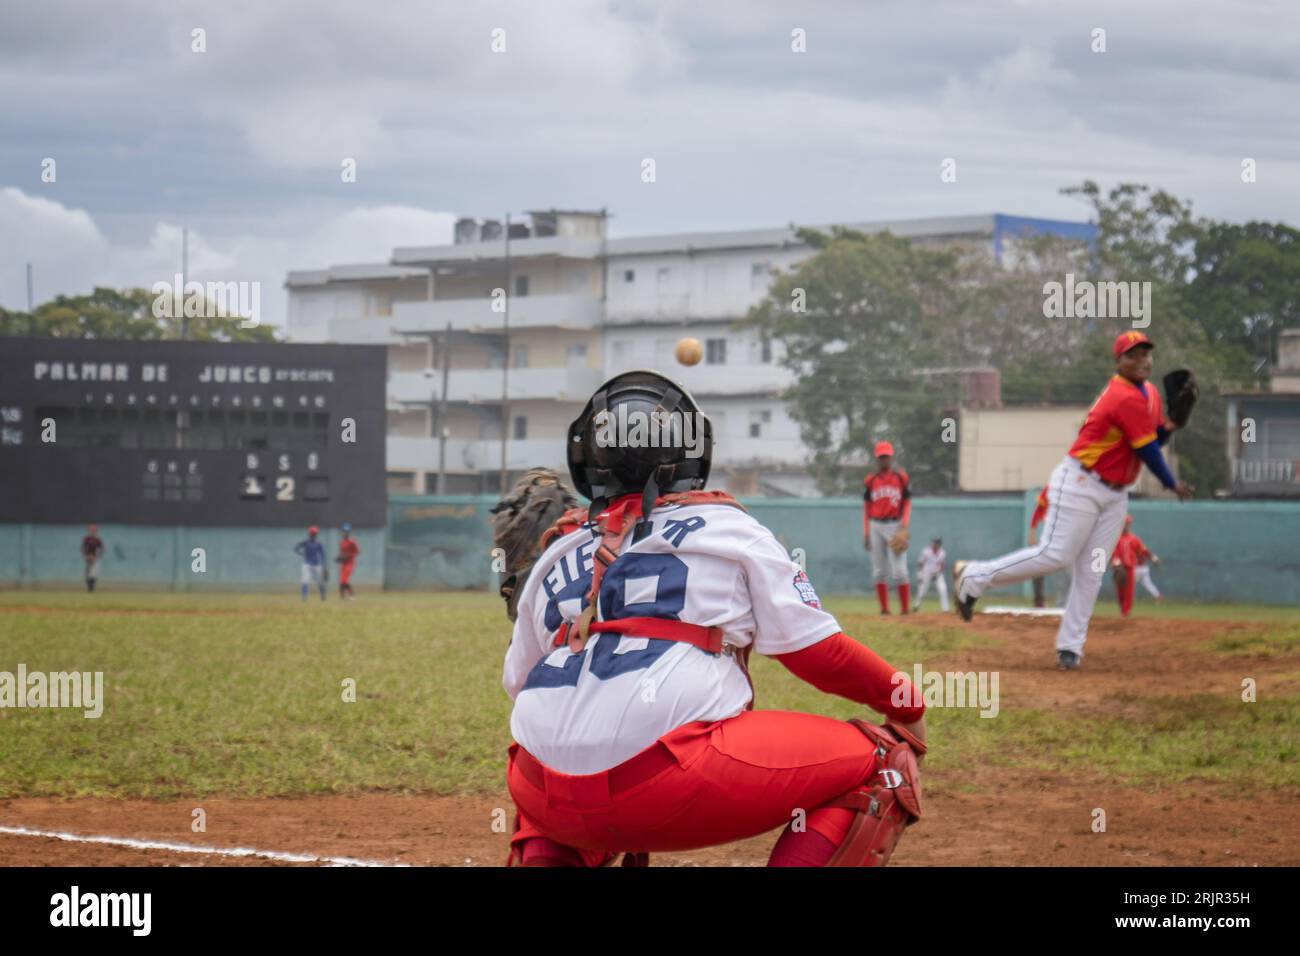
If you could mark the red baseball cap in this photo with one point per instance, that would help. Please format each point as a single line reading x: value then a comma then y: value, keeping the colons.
x: 883, y: 448
x: 1130, y: 339
x: 313, y: 530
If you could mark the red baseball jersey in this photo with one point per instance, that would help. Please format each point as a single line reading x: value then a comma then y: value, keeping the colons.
x: 884, y: 494
x: 1130, y: 551
x: 1123, y: 419
x: 348, y: 550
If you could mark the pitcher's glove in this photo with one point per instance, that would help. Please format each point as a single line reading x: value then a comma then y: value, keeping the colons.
x: 1181, y: 393
x: 898, y: 543
x: 535, y: 503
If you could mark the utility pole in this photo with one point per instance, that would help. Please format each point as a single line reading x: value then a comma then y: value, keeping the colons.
x: 29, y: 288
x: 185, y: 268
x: 505, y: 366
x: 444, y: 354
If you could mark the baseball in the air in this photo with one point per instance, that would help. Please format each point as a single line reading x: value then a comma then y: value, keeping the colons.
x: 689, y: 351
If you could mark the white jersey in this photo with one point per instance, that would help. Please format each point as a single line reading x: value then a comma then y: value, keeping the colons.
x: 931, y: 562
x: 711, y: 565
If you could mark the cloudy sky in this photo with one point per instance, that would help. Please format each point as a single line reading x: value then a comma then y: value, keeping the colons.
x: 244, y: 143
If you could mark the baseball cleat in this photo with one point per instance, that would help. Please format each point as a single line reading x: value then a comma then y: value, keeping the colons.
x: 965, y: 605
x: 1067, y: 660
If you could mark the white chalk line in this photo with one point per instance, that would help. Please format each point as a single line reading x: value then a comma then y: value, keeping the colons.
x: 240, y: 851
x: 1025, y: 611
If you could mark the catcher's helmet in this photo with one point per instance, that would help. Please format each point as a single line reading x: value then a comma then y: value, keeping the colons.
x: 605, y: 469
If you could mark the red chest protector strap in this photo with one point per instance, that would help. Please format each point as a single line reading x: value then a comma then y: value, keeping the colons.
x: 614, y: 524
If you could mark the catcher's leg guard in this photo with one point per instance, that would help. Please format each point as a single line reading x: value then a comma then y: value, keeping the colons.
x: 887, y: 804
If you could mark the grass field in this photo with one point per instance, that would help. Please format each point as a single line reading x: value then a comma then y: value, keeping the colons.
x: 242, y: 696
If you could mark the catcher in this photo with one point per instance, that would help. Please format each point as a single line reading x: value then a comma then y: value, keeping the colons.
x: 633, y: 711
x: 886, y: 511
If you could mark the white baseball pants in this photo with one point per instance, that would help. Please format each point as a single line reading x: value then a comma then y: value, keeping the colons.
x: 1143, y: 577
x: 1083, y: 522
x: 941, y: 585
x: 883, y: 560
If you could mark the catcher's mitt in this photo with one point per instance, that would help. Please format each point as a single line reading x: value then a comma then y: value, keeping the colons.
x: 1181, y: 393
x: 535, y: 503
x: 898, y: 543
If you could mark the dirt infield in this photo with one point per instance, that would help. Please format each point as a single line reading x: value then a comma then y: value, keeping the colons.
x: 977, y: 816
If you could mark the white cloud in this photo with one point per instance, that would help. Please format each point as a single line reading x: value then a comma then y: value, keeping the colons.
x: 71, y: 255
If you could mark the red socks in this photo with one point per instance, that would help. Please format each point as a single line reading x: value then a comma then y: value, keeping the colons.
x: 882, y: 592
x: 904, y: 593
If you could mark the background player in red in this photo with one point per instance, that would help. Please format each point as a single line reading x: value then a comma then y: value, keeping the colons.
x: 91, y: 550
x: 886, y: 511
x: 347, y: 560
x: 1129, y: 558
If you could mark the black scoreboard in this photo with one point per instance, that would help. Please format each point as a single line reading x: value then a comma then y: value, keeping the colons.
x: 191, y: 433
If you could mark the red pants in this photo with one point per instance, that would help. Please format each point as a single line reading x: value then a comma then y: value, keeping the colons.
x: 700, y: 785
x: 345, y: 571
x: 1124, y: 587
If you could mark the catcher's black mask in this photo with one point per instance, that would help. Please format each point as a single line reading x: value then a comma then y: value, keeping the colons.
x: 602, y: 469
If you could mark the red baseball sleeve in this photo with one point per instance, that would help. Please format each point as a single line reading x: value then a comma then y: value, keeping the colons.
x: 840, y: 665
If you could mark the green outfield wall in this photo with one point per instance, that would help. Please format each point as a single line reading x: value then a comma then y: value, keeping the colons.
x: 1246, y: 551
x: 147, y: 557
x: 1235, y: 551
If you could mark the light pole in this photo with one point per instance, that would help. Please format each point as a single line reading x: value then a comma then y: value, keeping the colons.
x: 444, y: 353
x: 505, y: 366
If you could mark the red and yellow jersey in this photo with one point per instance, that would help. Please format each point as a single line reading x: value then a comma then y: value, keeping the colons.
x: 348, y: 551
x: 1040, y: 508
x: 1123, y: 419
x: 884, y: 494
x: 1130, y: 551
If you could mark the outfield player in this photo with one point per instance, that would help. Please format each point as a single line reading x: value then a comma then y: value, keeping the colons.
x: 312, y: 553
x: 886, y: 511
x: 1088, y: 497
x: 1128, y: 563
x: 1143, y: 574
x: 633, y: 711
x: 92, y: 548
x: 929, y: 567
x: 349, y: 550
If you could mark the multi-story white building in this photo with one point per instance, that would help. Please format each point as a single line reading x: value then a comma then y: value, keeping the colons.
x: 467, y: 362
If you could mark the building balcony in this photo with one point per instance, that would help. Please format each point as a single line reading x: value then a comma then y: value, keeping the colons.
x: 579, y: 312
x: 421, y: 454
x: 704, y: 379
x: 1266, y: 476
x: 376, y: 330
x: 749, y: 452
x: 561, y: 384
x: 677, y: 307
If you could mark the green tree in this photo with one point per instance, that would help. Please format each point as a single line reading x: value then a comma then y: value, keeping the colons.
x: 1151, y: 236
x: 862, y: 323
x: 122, y: 314
x: 1246, y: 288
